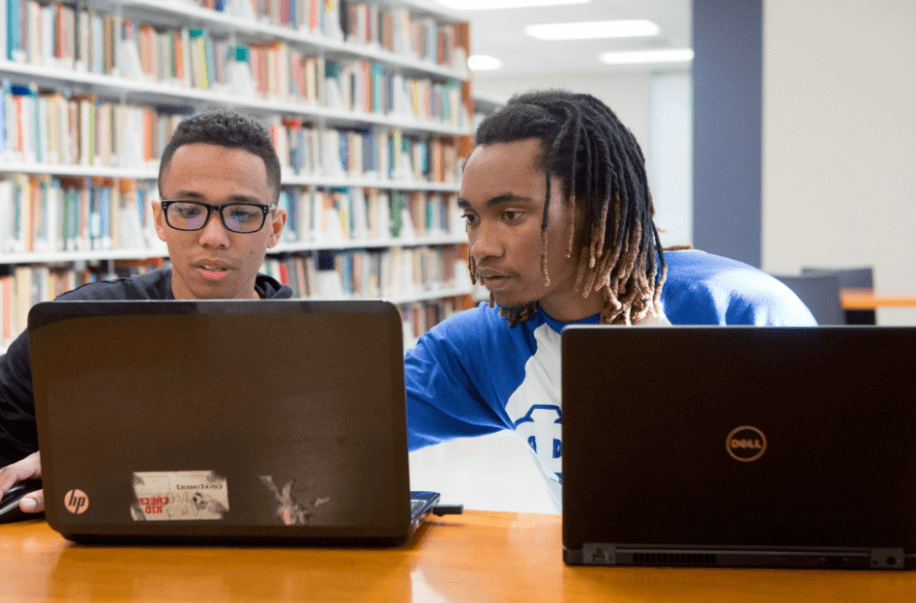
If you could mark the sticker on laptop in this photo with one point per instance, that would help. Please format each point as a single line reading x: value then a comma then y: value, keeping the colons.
x: 290, y: 509
x: 179, y: 495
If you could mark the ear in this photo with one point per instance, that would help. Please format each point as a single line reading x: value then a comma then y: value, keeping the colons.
x: 276, y: 227
x: 159, y: 220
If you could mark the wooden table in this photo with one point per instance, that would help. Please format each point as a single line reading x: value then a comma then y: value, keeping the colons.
x: 479, y: 557
x: 872, y: 299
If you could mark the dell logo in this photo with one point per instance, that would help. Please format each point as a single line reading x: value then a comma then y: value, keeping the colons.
x: 755, y: 444
x: 746, y: 443
x: 76, y: 501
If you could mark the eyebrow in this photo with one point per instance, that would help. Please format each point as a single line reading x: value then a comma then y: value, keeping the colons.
x: 497, y: 200
x: 195, y: 196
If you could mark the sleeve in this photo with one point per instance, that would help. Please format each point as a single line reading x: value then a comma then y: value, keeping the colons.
x: 450, y: 393
x: 767, y: 302
x: 703, y: 289
x: 18, y: 435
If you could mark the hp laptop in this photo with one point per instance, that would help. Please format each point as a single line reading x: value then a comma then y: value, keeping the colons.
x: 740, y: 446
x: 260, y: 421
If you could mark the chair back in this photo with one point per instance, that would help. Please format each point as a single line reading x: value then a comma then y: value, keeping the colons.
x: 821, y: 293
x: 859, y: 278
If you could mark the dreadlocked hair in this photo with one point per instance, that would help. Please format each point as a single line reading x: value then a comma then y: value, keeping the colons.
x: 601, y: 170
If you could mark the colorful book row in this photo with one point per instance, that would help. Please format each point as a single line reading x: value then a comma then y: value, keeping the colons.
x: 368, y: 274
x: 372, y: 25
x: 81, y: 130
x: 24, y: 286
x: 378, y: 153
x: 276, y: 71
x: 342, y: 214
x: 420, y: 317
x: 55, y: 35
x: 45, y: 214
x: 21, y: 287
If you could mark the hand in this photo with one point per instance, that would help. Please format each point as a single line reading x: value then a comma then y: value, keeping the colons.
x: 27, y: 468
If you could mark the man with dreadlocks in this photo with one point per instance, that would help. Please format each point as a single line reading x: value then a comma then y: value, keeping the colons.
x: 559, y: 222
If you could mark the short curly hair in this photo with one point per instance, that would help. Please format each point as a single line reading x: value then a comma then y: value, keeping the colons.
x: 226, y: 128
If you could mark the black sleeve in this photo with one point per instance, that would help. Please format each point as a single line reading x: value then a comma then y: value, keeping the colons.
x: 18, y: 436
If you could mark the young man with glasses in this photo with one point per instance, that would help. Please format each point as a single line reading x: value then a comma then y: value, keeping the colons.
x: 219, y: 181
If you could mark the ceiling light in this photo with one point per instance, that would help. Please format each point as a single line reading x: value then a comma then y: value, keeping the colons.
x: 491, y: 4
x: 593, y: 29
x: 482, y: 62
x: 668, y: 55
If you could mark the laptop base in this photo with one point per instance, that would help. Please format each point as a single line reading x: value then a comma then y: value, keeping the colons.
x: 877, y: 558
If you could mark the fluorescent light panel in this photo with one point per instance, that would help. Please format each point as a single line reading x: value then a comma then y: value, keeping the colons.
x: 493, y: 4
x: 482, y: 62
x: 593, y: 29
x: 635, y: 57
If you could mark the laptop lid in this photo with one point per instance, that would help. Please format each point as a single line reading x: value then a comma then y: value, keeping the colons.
x: 745, y: 446
x: 239, y: 420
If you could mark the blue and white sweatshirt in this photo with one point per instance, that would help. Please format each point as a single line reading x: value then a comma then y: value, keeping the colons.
x: 472, y: 375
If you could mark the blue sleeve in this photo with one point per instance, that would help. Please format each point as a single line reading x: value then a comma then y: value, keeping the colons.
x: 450, y: 391
x: 704, y: 289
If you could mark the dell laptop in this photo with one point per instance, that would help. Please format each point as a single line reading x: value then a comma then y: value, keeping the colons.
x: 739, y: 446
x: 247, y: 421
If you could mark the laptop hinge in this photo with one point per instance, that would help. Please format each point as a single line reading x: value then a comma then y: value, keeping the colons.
x: 887, y: 558
x: 599, y: 554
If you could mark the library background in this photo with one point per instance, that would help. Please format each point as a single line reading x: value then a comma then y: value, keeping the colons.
x: 369, y: 106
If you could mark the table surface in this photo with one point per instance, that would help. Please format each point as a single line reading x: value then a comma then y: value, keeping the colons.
x: 478, y: 556
x: 871, y: 299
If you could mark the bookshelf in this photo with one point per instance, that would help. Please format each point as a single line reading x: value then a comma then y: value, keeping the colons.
x: 368, y: 103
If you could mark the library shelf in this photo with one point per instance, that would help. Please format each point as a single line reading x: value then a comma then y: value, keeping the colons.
x: 227, y: 24
x: 63, y: 257
x: 451, y: 122
x: 173, y: 94
x: 421, y: 296
x: 288, y: 179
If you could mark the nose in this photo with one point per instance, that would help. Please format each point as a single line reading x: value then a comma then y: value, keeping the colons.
x: 214, y: 234
x: 484, y: 242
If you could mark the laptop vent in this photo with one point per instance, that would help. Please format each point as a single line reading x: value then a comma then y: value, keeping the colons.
x: 669, y: 559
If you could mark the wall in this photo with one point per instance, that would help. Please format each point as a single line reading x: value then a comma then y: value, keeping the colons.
x: 839, y: 139
x: 670, y: 156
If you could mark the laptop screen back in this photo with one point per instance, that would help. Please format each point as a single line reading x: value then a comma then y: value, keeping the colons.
x: 739, y: 437
x: 263, y: 418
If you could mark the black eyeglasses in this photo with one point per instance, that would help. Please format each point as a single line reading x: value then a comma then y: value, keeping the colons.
x: 238, y: 217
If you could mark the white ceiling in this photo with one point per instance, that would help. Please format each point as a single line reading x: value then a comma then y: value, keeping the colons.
x: 501, y: 33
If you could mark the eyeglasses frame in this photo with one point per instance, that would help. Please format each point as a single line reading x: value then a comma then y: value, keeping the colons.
x: 265, y: 209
